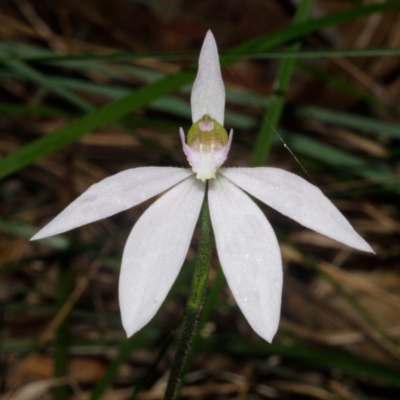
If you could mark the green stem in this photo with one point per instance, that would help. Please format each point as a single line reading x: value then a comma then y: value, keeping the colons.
x: 195, y: 303
x: 212, y: 295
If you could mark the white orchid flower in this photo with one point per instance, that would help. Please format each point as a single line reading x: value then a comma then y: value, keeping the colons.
x: 246, y: 244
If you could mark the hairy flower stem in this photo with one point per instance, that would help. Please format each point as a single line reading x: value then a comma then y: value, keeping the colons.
x: 195, y: 304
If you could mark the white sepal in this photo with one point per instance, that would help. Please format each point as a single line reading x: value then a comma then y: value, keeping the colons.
x: 249, y: 255
x: 113, y: 195
x: 155, y: 252
x: 298, y: 199
x: 208, y: 92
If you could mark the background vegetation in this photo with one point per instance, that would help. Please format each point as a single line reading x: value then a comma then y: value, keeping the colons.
x: 88, y: 89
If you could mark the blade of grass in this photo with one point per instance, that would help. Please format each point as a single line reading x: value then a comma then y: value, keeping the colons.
x: 359, y: 123
x: 323, y: 152
x: 277, y: 102
x: 61, y: 60
x: 341, y: 84
x: 23, y: 109
x: 107, y: 379
x: 328, y: 53
x: 27, y: 231
x: 61, y: 335
x: 344, y: 162
x: 46, y: 82
x: 297, y: 31
x: 326, y: 359
x: 92, y: 346
x: 18, y: 52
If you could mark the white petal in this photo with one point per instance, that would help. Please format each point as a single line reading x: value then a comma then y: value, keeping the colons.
x: 298, y: 199
x: 249, y: 255
x: 155, y: 252
x: 112, y: 195
x: 208, y: 93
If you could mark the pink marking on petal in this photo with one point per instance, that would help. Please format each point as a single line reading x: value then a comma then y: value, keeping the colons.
x: 221, y: 155
x: 184, y: 145
x: 191, y: 154
x: 206, y: 126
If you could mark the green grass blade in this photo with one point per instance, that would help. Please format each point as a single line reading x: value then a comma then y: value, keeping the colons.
x: 277, y: 103
x: 112, y: 370
x: 27, y: 231
x: 369, y: 125
x: 373, y: 171
x: 57, y: 59
x: 64, y: 288
x: 323, y: 152
x: 296, y: 31
x: 328, y: 360
x: 7, y: 108
x: 325, y: 53
x: 340, y: 84
x: 34, y: 76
